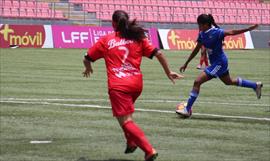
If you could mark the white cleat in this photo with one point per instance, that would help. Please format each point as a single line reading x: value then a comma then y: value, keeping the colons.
x: 258, y: 90
x: 182, y: 110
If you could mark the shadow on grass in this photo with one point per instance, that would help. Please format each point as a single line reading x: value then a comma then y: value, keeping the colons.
x: 85, y: 159
x: 232, y: 120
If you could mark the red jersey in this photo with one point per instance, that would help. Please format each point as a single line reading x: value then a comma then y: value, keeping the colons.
x: 123, y: 59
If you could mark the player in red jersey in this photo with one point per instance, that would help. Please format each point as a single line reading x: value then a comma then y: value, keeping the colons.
x: 123, y: 51
x: 203, y: 58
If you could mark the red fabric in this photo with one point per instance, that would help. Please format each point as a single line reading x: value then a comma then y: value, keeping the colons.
x: 203, y: 58
x: 123, y: 59
x: 122, y: 103
x: 206, y: 60
x: 130, y: 142
x: 138, y: 137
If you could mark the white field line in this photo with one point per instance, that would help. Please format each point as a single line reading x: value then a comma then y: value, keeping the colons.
x: 40, y: 142
x: 137, y: 109
x: 139, y: 100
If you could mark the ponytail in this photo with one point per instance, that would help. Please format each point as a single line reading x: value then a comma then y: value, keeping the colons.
x: 122, y: 25
x: 127, y: 29
x: 207, y: 19
x: 212, y: 21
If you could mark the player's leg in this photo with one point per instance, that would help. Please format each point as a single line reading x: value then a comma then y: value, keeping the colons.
x: 206, y: 60
x: 256, y: 86
x: 227, y: 80
x: 187, y: 109
x: 199, y: 66
x: 202, y: 78
x: 123, y: 107
x: 137, y: 135
x: 131, y: 145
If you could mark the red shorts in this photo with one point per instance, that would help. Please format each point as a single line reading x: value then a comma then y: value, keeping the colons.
x: 122, y: 103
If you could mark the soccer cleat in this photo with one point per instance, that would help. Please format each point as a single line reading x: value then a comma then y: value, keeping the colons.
x: 182, y: 110
x: 258, y: 89
x: 130, y: 149
x: 151, y: 157
x: 199, y: 67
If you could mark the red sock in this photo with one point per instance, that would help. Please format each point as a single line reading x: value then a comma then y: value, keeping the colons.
x: 201, y: 61
x: 206, y: 61
x: 138, y: 136
x: 130, y: 142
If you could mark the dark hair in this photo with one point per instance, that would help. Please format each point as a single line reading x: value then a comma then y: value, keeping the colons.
x: 128, y: 29
x: 207, y: 19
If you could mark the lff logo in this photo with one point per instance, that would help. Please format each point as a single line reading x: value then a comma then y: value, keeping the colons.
x: 74, y: 37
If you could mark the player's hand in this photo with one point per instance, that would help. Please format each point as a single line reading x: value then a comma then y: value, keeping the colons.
x: 183, y: 68
x: 253, y: 27
x: 173, y: 75
x: 87, y: 72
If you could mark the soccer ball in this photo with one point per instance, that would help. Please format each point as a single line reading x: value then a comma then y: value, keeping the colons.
x: 181, y: 106
x: 181, y: 110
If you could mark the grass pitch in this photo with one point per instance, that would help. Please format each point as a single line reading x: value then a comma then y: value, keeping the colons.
x: 45, y: 98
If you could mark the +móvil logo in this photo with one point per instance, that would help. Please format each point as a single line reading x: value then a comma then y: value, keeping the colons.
x: 22, y: 35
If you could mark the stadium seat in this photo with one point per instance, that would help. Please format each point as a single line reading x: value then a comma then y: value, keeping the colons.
x: 224, y: 11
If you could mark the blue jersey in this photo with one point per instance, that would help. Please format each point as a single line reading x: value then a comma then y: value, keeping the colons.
x: 212, y: 39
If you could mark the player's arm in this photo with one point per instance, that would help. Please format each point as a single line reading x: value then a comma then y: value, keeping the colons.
x: 94, y: 53
x: 191, y: 56
x: 164, y: 63
x: 240, y: 31
x: 87, y: 65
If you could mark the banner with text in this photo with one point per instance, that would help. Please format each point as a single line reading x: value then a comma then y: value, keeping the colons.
x: 26, y: 36
x: 178, y: 39
x: 85, y: 37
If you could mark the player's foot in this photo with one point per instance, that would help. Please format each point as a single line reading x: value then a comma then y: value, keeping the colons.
x: 199, y: 66
x: 152, y: 156
x: 258, y: 89
x: 182, y: 110
x: 130, y: 149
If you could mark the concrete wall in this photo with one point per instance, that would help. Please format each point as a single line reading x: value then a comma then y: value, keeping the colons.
x: 261, y: 39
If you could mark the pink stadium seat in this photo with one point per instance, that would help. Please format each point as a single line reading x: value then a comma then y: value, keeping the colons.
x: 31, y: 13
x: 15, y: 4
x: 22, y: 13
x: 7, y: 12
x: 23, y: 4
x: 191, y: 18
x: 31, y: 4
x: 179, y: 18
x: 161, y: 9
x: 111, y: 7
x: 149, y: 8
x: 231, y: 19
x: 7, y: 3
x: 14, y: 12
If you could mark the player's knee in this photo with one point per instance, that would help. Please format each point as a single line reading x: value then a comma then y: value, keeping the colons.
x: 228, y: 83
x: 197, y: 83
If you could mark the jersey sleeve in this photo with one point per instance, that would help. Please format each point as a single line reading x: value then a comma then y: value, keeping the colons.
x: 96, y: 51
x: 221, y: 34
x: 148, y: 49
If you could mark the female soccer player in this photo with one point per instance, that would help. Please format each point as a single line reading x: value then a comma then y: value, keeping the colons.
x: 203, y: 58
x: 212, y: 38
x: 123, y: 51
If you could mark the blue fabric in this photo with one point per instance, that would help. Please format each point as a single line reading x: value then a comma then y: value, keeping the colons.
x: 246, y: 83
x: 217, y: 69
x: 192, y: 98
x: 212, y: 39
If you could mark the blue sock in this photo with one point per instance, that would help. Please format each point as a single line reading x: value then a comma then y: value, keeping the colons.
x: 246, y: 83
x: 192, y: 98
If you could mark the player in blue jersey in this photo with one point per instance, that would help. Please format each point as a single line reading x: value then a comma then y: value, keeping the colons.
x: 211, y: 36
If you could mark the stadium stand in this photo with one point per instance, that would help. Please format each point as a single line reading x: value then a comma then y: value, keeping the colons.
x: 29, y: 9
x: 155, y: 11
x: 174, y: 11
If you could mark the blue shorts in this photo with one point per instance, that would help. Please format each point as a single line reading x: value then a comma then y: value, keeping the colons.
x: 217, y: 69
